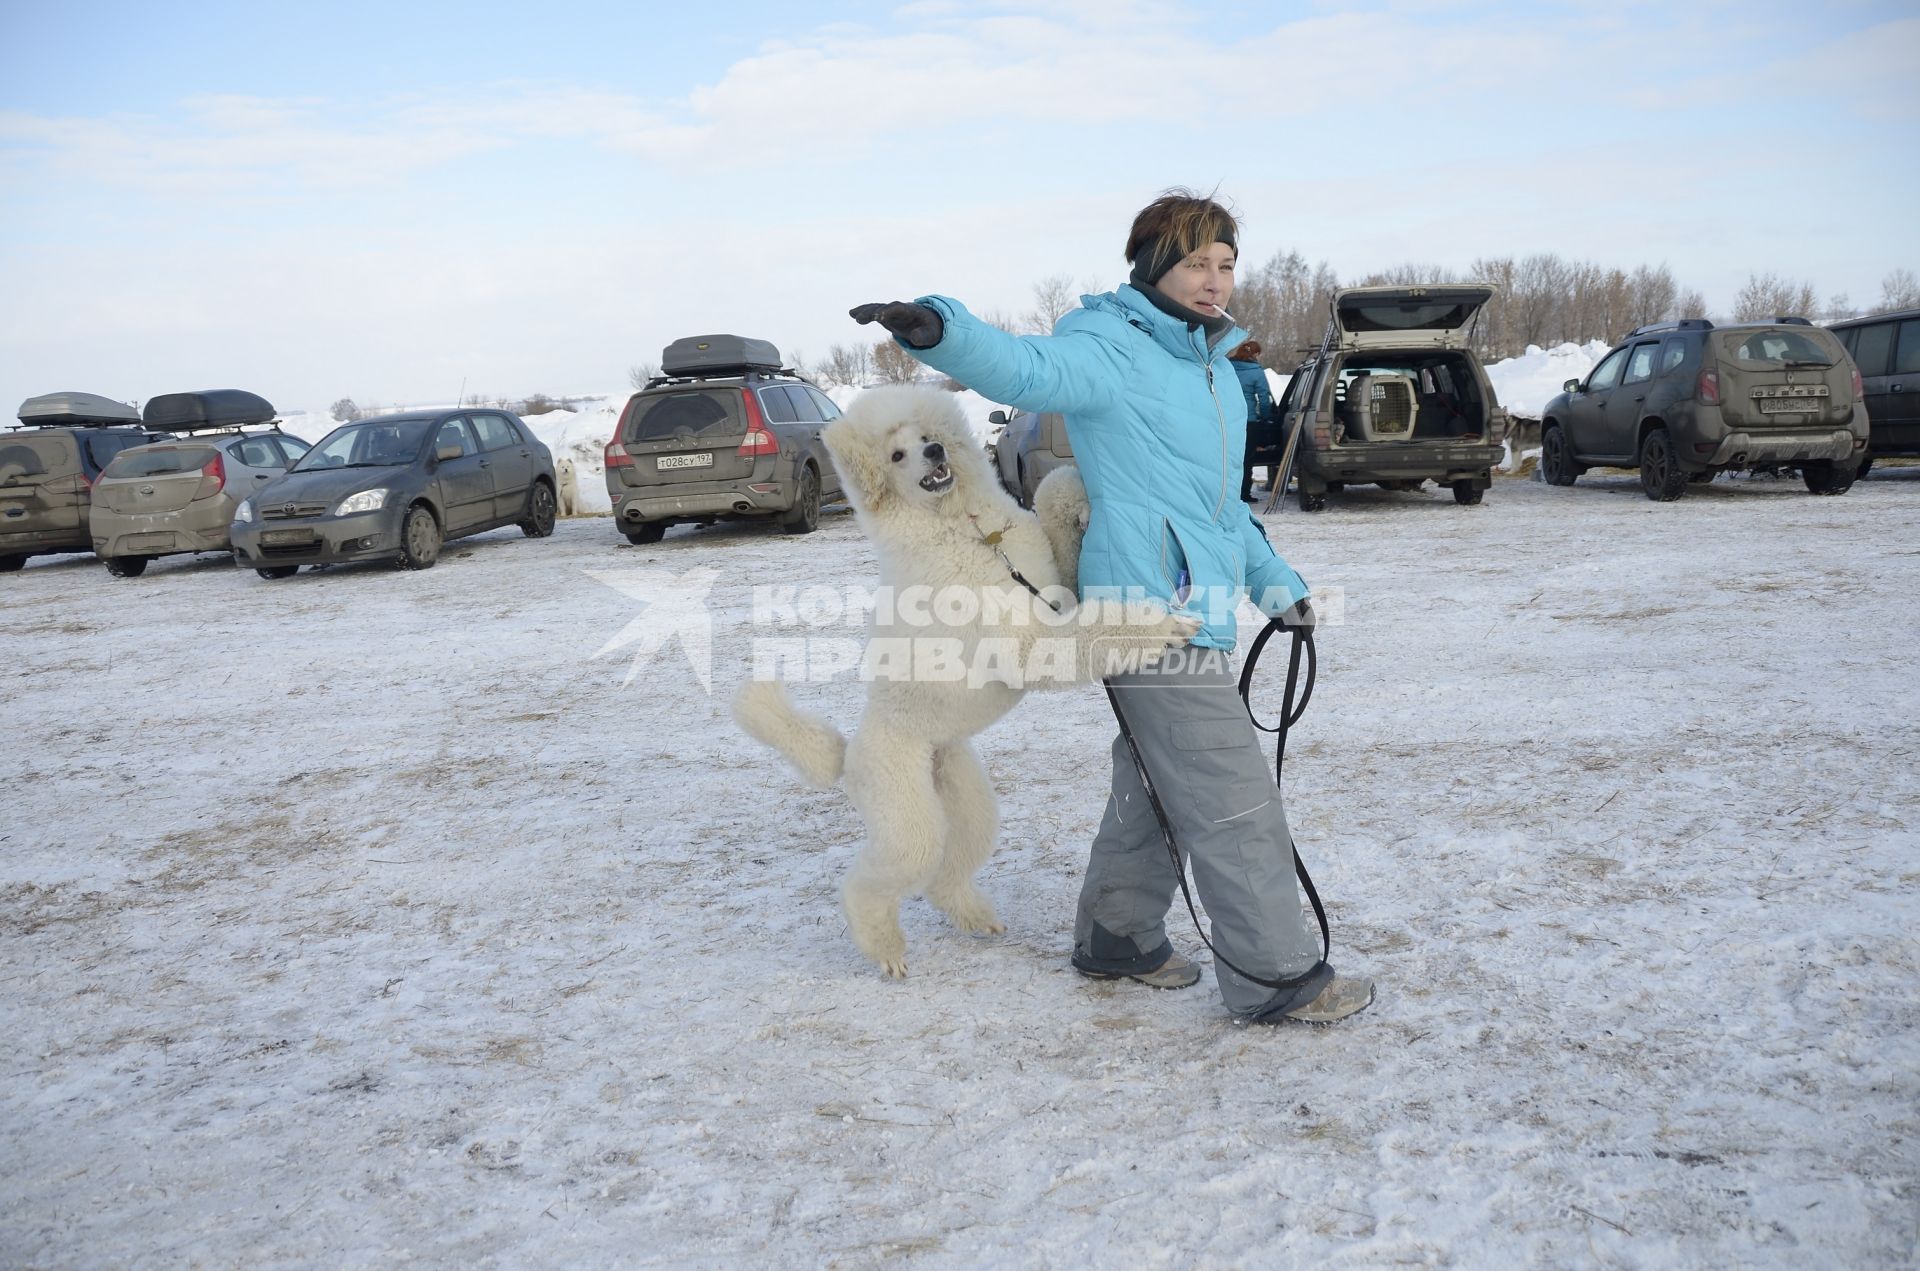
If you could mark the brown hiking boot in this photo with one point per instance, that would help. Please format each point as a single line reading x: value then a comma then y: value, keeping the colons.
x: 1344, y: 995
x: 1175, y: 973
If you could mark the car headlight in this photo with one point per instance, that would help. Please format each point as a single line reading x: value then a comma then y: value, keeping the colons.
x: 245, y: 511
x: 365, y: 501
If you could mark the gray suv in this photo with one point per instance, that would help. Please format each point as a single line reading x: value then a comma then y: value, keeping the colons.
x: 1028, y: 447
x: 48, y: 467
x: 1886, y: 350
x: 1395, y: 396
x: 724, y: 432
x: 1685, y: 400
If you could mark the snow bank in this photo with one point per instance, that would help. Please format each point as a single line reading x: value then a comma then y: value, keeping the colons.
x: 1525, y: 384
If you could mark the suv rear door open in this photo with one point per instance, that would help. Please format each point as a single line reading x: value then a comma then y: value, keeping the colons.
x: 1407, y: 317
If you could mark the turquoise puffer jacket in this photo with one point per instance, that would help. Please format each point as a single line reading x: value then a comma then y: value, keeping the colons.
x: 1158, y: 425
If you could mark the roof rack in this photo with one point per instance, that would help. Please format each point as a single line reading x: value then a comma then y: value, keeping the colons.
x: 1672, y: 324
x: 1784, y: 320
x: 725, y: 373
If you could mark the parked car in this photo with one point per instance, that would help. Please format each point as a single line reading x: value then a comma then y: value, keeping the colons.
x: 723, y: 432
x: 48, y: 466
x: 1028, y: 447
x: 1396, y: 396
x: 180, y: 496
x: 1686, y: 400
x: 396, y: 487
x: 1886, y: 350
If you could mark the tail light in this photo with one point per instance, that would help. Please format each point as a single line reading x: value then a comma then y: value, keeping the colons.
x: 1710, y: 388
x: 617, y: 456
x: 213, y: 477
x: 1859, y: 390
x: 759, y: 441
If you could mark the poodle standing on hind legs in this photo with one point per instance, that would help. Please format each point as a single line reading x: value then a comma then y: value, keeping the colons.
x: 994, y: 616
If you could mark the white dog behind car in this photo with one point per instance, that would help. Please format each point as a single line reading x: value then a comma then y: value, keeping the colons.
x: 941, y: 670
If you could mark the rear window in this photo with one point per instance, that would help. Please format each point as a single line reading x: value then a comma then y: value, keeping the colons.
x: 51, y: 454
x: 1781, y: 346
x: 1389, y: 316
x: 686, y: 415
x: 102, y: 447
x: 159, y: 462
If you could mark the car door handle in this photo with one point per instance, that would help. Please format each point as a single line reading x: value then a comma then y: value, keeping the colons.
x: 486, y: 463
x: 1641, y: 398
x: 263, y: 476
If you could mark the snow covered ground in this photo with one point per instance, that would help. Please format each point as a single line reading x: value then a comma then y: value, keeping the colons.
x: 365, y: 917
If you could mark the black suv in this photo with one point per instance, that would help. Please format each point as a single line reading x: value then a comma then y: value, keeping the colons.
x: 1886, y: 349
x: 1686, y: 400
x: 48, y: 467
x: 723, y: 432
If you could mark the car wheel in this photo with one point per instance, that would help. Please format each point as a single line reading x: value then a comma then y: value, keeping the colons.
x: 1859, y: 473
x: 540, y: 510
x: 271, y: 572
x: 419, y: 538
x: 1556, y: 457
x: 646, y: 532
x: 126, y: 566
x: 1661, y: 475
x: 1827, y: 478
x: 805, y: 516
x: 10, y: 563
x: 1467, y: 493
x: 1311, y: 502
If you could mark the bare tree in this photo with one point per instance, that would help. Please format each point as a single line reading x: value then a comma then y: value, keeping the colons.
x: 640, y: 373
x: 344, y: 411
x: 1052, y: 297
x: 849, y: 366
x: 1770, y: 296
x: 1654, y: 293
x: 1691, y: 304
x: 1839, y: 308
x: 1539, y: 292
x: 999, y: 318
x: 893, y: 364
x: 538, y: 404
x: 1898, y: 290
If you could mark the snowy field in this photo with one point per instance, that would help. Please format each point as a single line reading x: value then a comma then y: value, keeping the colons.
x: 366, y: 917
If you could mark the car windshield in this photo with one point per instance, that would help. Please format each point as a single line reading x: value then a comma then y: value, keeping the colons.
x: 371, y: 444
x: 159, y: 461
x: 1781, y: 346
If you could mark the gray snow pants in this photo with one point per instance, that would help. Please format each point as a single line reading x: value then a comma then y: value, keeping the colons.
x: 1203, y: 754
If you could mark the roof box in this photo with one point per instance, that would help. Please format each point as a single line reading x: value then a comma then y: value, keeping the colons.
x: 76, y: 408
x: 718, y: 355
x: 211, y: 408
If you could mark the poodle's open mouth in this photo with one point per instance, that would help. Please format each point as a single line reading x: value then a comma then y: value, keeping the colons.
x: 939, y: 481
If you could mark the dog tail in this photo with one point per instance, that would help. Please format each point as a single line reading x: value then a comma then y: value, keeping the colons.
x: 814, y: 746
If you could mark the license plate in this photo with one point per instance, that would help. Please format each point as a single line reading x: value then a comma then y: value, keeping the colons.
x: 1788, y: 405
x: 287, y: 536
x: 702, y: 460
x: 147, y: 542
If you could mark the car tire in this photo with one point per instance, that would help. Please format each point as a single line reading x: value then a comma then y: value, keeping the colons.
x: 419, y: 538
x: 646, y: 532
x: 1827, y: 478
x: 9, y: 564
x: 804, y: 518
x: 1661, y: 475
x: 1866, y: 466
x: 126, y: 566
x: 1311, y: 502
x: 274, y: 572
x: 1556, y: 457
x: 541, y: 508
x: 1468, y: 494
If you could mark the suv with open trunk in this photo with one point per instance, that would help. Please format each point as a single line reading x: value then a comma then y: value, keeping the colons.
x: 1396, y: 396
x: 48, y: 466
x: 1685, y: 400
x: 723, y: 432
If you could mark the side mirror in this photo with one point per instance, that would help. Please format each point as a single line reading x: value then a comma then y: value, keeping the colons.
x: 1571, y: 386
x: 448, y: 452
x: 997, y: 417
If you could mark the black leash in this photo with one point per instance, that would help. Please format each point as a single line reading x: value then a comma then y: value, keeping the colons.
x: 1289, y: 716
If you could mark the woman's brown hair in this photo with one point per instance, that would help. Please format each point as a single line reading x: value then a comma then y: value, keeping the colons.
x: 1183, y: 222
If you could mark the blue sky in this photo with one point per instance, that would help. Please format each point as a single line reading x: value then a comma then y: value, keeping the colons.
x: 390, y: 201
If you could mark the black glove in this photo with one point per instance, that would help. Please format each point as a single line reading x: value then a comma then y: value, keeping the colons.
x: 1300, y: 615
x: 918, y: 325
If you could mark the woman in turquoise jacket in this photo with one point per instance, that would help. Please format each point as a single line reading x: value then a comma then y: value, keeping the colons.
x: 1158, y: 426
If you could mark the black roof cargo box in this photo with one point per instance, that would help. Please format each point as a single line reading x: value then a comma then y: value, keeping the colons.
x: 717, y: 355
x: 75, y: 408
x: 210, y: 408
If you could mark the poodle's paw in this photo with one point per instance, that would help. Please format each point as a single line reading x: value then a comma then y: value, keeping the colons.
x: 972, y: 912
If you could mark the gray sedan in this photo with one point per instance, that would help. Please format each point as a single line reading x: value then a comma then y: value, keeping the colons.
x: 395, y: 488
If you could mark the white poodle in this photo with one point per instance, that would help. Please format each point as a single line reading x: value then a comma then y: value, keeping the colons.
x: 922, y: 490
